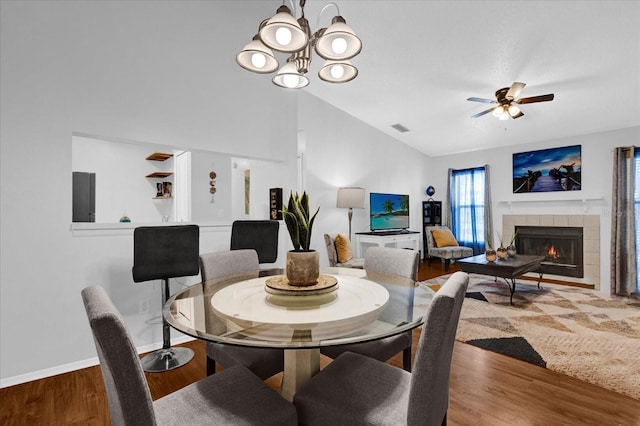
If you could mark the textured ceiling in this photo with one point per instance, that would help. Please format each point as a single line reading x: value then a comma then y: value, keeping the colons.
x: 421, y: 60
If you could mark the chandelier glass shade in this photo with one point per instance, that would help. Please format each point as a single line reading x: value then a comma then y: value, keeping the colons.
x: 283, y: 33
x: 338, y: 72
x: 338, y: 41
x: 257, y: 57
x: 290, y: 78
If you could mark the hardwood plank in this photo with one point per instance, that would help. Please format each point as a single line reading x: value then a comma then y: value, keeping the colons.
x: 485, y: 389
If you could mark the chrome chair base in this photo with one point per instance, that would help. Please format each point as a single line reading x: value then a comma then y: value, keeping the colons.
x: 166, y: 359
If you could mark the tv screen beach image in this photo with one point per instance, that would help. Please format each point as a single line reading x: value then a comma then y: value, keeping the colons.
x: 389, y: 211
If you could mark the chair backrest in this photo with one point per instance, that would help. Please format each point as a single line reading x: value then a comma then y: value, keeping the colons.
x: 240, y: 263
x: 260, y: 235
x: 161, y: 252
x: 330, y: 243
x: 429, y: 388
x: 393, y: 261
x: 230, y: 262
x: 430, y: 241
x: 127, y: 389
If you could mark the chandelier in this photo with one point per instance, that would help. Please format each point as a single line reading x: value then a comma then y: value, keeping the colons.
x: 337, y: 44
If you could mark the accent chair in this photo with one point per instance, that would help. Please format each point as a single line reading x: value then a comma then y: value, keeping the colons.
x: 332, y: 254
x: 446, y: 249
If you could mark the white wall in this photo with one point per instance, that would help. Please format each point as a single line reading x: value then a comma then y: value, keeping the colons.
x: 140, y: 71
x: 597, y: 172
x: 343, y: 151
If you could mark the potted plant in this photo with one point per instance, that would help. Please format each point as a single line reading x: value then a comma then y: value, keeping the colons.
x: 502, y: 250
x: 489, y: 253
x: 303, y: 264
x: 511, y: 248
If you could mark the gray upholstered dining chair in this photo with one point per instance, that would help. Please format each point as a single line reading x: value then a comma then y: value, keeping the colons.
x: 263, y: 362
x: 355, y: 389
x: 235, y: 396
x: 392, y: 261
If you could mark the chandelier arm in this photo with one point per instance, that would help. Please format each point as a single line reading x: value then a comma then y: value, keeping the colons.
x: 323, y: 9
x: 293, y: 6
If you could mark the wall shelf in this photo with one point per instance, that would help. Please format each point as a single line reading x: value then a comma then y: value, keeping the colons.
x: 583, y: 201
x: 579, y: 200
x: 159, y: 174
x: 159, y: 156
x: 162, y: 198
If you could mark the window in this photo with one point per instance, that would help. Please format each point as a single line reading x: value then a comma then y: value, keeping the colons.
x: 467, y: 207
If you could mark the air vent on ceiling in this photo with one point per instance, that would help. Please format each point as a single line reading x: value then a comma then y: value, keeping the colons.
x: 399, y: 127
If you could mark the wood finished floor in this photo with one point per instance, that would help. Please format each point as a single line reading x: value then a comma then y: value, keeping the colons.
x: 485, y: 389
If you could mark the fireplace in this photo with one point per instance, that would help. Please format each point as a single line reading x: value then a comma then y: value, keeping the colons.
x: 561, y: 246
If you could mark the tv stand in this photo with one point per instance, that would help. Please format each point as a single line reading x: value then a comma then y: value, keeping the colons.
x: 383, y: 238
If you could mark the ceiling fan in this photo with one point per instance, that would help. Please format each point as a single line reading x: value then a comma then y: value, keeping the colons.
x: 506, y: 100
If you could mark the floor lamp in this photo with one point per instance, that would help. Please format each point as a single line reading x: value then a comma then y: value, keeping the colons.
x: 350, y: 198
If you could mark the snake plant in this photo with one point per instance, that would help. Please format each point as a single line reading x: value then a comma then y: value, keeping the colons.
x: 299, y: 221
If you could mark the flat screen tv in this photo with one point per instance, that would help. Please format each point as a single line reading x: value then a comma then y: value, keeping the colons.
x: 388, y: 211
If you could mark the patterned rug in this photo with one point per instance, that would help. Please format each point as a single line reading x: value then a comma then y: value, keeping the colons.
x: 569, y: 330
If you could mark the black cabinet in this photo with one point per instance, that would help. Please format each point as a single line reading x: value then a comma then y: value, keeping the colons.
x: 431, y: 216
x: 84, y: 197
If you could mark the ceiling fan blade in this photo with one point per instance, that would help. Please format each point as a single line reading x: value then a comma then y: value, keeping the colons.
x: 518, y: 115
x: 514, y: 90
x: 532, y: 99
x: 480, y: 114
x: 486, y: 101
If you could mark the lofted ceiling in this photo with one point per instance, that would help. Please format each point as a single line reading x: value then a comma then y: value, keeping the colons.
x: 421, y: 60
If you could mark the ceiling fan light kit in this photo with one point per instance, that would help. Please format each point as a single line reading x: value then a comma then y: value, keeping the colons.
x: 283, y: 33
x: 506, y: 100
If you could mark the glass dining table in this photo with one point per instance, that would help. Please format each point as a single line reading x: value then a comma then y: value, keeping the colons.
x: 361, y: 306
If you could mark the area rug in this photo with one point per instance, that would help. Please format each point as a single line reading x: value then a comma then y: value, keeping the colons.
x: 569, y: 330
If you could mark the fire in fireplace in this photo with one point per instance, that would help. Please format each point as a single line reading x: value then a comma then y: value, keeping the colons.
x: 561, y: 247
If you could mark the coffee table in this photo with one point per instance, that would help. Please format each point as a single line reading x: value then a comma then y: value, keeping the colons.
x: 508, y: 268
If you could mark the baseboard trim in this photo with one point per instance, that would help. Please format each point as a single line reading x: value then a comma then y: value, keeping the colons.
x: 78, y: 365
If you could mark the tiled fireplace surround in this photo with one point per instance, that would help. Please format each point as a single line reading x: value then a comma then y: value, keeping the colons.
x: 591, y: 239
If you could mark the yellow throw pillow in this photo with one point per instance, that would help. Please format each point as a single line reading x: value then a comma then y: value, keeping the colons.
x: 343, y: 248
x: 444, y: 238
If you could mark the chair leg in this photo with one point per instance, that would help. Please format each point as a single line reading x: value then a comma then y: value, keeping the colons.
x: 406, y: 359
x: 211, y: 366
x: 429, y: 261
x: 446, y: 265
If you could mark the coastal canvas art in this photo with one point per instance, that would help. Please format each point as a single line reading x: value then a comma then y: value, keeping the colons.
x: 547, y: 170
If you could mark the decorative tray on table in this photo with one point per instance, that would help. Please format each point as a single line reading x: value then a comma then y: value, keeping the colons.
x: 279, y: 285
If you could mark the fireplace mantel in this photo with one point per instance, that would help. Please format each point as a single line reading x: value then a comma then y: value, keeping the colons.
x: 586, y: 202
x: 591, y: 239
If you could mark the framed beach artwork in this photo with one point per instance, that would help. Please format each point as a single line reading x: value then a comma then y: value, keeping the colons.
x: 547, y: 170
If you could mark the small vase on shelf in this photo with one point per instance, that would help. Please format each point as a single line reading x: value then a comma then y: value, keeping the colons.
x: 511, y: 250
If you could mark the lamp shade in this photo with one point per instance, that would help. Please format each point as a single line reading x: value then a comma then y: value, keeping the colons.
x: 350, y: 197
x: 338, y: 72
x: 289, y: 77
x: 257, y: 57
x: 283, y: 33
x: 338, y: 42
